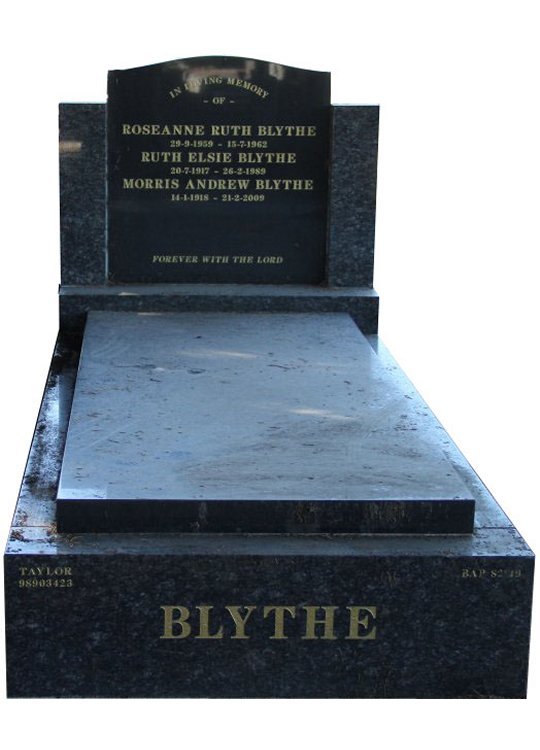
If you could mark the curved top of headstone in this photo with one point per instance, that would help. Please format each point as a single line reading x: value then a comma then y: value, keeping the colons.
x: 222, y: 61
x: 217, y: 172
x: 226, y: 67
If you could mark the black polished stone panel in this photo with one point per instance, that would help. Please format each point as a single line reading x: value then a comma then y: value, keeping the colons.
x: 82, y: 193
x: 353, y: 186
x: 218, y: 172
x: 452, y: 613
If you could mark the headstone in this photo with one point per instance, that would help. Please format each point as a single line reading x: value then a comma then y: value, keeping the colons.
x: 218, y: 172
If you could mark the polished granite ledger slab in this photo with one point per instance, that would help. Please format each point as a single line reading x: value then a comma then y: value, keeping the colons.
x: 443, y: 616
x: 260, y: 423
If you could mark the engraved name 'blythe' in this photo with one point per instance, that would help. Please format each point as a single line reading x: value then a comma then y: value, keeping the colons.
x: 277, y: 622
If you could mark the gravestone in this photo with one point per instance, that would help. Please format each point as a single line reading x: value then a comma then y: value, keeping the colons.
x: 232, y: 489
x: 218, y: 172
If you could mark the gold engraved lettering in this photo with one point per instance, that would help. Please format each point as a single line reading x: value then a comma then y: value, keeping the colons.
x: 362, y: 624
x: 204, y: 624
x: 270, y: 259
x: 45, y: 577
x: 204, y: 184
x: 149, y: 183
x: 239, y: 621
x: 283, y: 184
x: 279, y: 619
x: 312, y: 621
x: 354, y: 623
x: 171, y: 623
x: 474, y: 573
x: 210, y: 157
x: 287, y: 130
x: 491, y: 573
x: 196, y: 83
x: 251, y: 87
x: 228, y: 130
x: 266, y: 157
x: 175, y: 259
x: 215, y: 259
x: 156, y: 129
x: 45, y: 570
x: 154, y: 157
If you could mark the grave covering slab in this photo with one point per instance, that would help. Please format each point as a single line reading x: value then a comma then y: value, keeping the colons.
x: 247, y: 422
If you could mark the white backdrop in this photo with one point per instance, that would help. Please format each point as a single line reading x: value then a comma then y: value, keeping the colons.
x: 456, y: 267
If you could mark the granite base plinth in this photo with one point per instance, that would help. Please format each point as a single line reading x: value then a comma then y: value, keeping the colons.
x: 265, y: 617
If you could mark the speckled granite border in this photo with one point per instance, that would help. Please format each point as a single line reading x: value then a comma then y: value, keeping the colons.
x: 82, y: 193
x: 352, y: 197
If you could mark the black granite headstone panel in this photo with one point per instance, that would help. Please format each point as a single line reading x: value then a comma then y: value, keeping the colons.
x: 353, y: 185
x: 218, y: 172
x: 82, y: 193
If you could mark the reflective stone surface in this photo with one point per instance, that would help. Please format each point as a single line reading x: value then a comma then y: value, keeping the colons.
x: 218, y: 172
x: 246, y: 422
